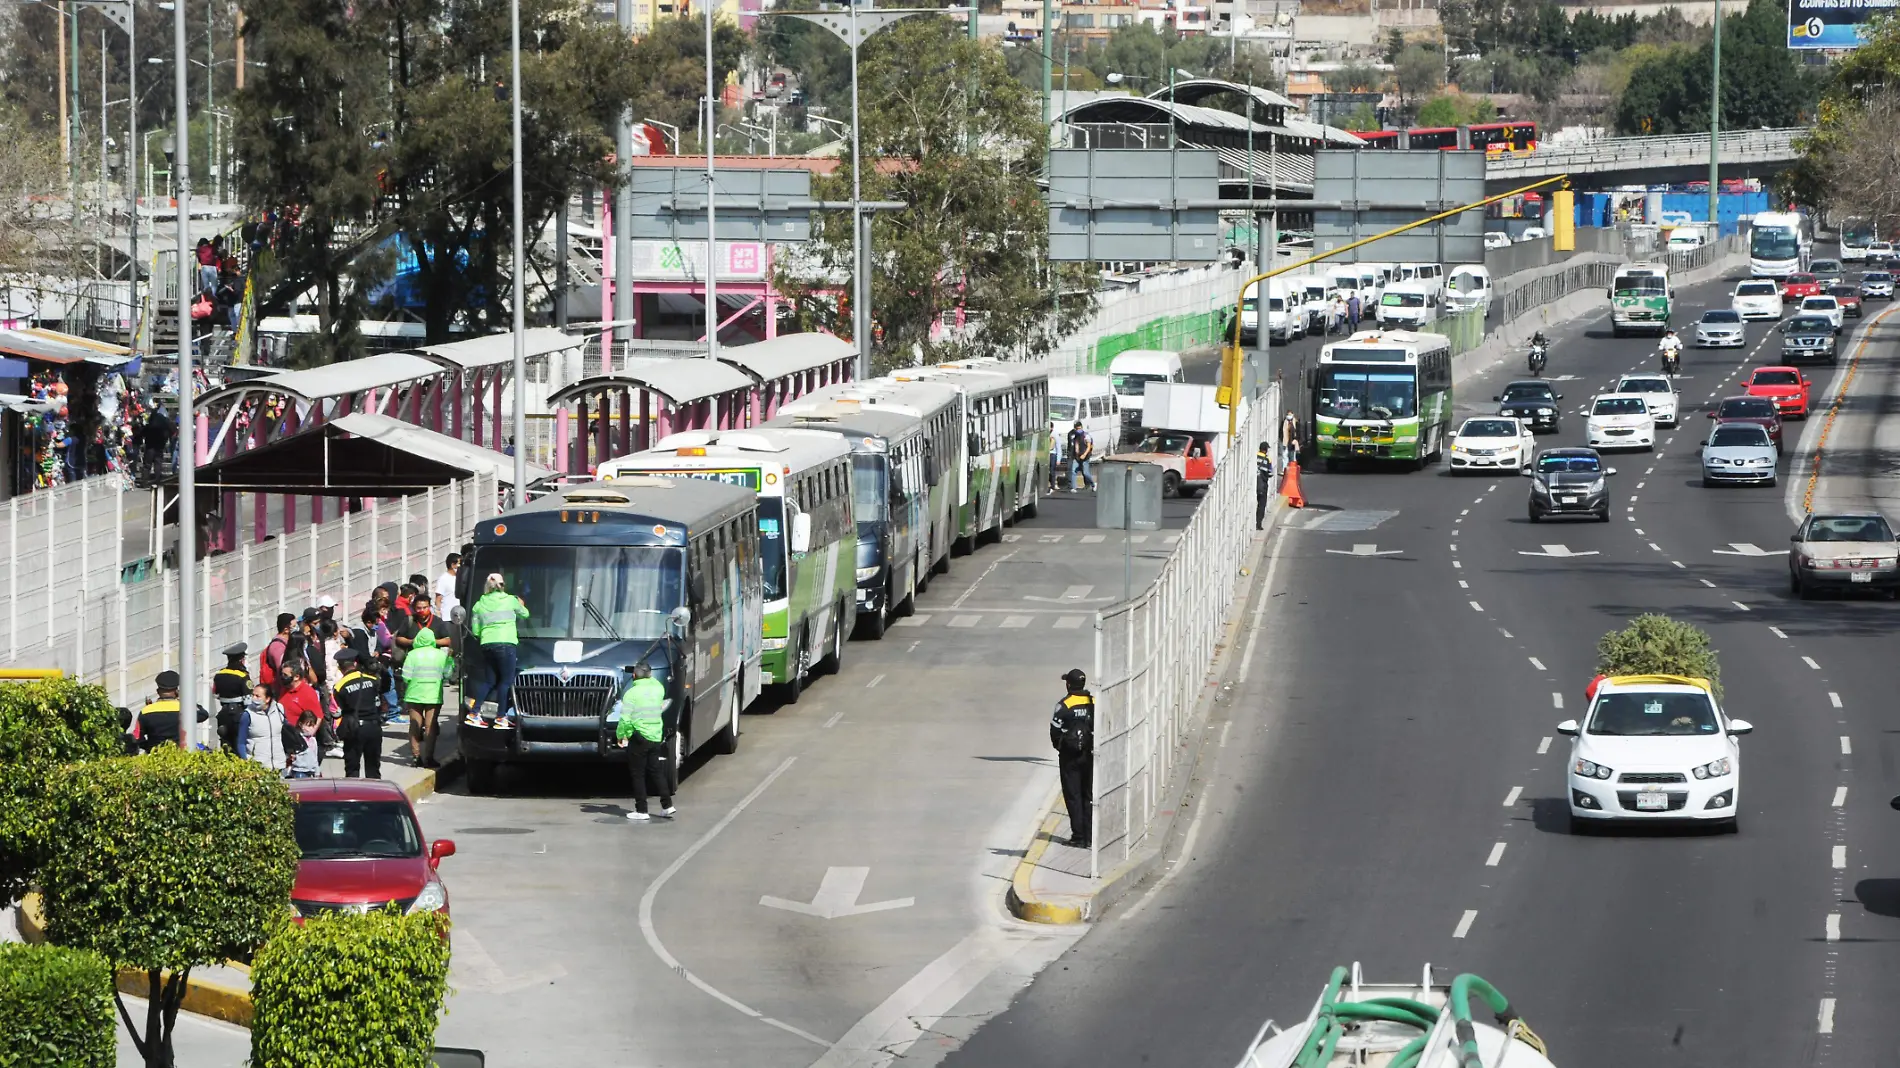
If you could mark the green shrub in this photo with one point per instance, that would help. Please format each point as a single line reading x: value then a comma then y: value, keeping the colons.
x: 55, y: 1009
x: 42, y: 726
x: 1658, y: 645
x: 343, y: 991
x: 168, y: 861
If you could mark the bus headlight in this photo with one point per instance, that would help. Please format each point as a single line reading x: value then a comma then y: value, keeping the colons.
x: 773, y: 645
x: 866, y: 574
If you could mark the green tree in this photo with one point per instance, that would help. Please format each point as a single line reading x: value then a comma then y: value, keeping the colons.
x: 167, y: 862
x: 1356, y: 78
x: 55, y: 1008
x: 1416, y: 72
x: 1658, y: 645
x: 1842, y: 159
x: 345, y: 991
x: 1362, y: 119
x: 950, y: 133
x: 43, y: 725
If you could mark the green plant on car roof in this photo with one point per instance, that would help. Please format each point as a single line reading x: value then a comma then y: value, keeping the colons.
x: 1658, y: 645
x: 346, y: 991
x: 55, y: 1008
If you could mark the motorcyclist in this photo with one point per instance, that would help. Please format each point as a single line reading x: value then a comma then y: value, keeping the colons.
x: 1540, y: 352
x: 1671, y: 349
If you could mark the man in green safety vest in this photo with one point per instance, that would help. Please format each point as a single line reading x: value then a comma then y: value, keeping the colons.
x: 643, y: 730
x: 423, y: 673
x: 492, y: 624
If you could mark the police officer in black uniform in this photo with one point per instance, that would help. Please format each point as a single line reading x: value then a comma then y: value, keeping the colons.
x: 1072, y: 733
x: 358, y: 693
x: 1262, y: 482
x: 231, y: 685
x: 158, y: 720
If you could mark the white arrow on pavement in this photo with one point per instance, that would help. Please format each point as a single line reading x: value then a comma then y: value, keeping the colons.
x: 838, y: 896
x: 1365, y: 550
x: 1742, y: 548
x: 1559, y: 551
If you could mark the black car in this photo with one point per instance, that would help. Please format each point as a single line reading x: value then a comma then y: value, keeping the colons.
x: 1808, y: 337
x: 1569, y: 482
x: 1532, y: 400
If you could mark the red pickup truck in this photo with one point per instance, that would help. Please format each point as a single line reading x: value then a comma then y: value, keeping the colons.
x: 1186, y: 458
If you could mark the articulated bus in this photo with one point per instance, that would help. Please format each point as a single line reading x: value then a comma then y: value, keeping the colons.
x: 894, y: 477
x: 1502, y: 137
x: 1380, y: 139
x: 1006, y: 441
x: 807, y: 539
x: 1856, y: 235
x: 1444, y: 138
x: 1778, y: 244
x: 1381, y: 395
x: 662, y: 572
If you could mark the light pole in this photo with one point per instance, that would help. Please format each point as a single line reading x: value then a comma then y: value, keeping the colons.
x: 1715, y: 130
x: 712, y: 195
x: 520, y: 263
x: 187, y: 420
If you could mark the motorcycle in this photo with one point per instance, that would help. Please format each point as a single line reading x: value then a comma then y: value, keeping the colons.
x: 1671, y: 361
x: 1540, y: 355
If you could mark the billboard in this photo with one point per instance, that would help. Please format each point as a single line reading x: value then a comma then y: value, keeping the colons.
x: 1134, y: 204
x: 1382, y: 190
x: 1833, y: 23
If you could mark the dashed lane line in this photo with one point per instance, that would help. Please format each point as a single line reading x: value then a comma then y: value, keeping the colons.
x: 1655, y: 546
x: 1538, y: 664
x: 1476, y: 607
x: 1847, y: 746
x: 1834, y: 699
x: 1707, y: 583
x: 1678, y: 563
x: 1834, y: 927
x: 1556, y: 699
x: 1808, y: 660
x: 1543, y: 745
x: 1840, y: 796
x: 1497, y: 854
x: 1510, y: 799
x: 1739, y: 605
x: 1839, y: 858
x: 1778, y: 633
x: 1464, y: 923
x: 1827, y: 1016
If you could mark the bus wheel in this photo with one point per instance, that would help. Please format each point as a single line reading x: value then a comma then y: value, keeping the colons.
x: 939, y: 566
x: 1030, y: 510
x: 728, y: 741
x: 833, y: 660
x: 481, y: 776
x: 795, y: 671
x: 909, y: 606
x: 873, y: 625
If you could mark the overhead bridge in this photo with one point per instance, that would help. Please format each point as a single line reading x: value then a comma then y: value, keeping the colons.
x: 1616, y: 161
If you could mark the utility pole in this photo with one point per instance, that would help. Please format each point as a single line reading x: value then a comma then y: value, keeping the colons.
x: 623, y: 215
x: 73, y: 74
x: 1715, y: 131
x: 191, y: 686
x: 712, y: 185
x: 1048, y: 58
x: 520, y: 261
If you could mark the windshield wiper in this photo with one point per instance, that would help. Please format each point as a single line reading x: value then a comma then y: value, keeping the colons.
x: 599, y: 620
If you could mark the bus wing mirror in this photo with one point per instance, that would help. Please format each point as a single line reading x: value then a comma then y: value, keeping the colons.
x: 682, y: 617
x: 801, y: 532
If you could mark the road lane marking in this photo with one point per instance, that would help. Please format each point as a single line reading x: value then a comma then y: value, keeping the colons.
x: 835, y: 717
x: 1639, y: 485
x: 1224, y: 729
x: 1834, y: 699
x: 965, y: 621
x: 1493, y: 488
x: 1265, y: 594
x: 1464, y: 513
x: 914, y: 645
x: 1069, y: 623
x: 1457, y: 565
x: 958, y: 603
x: 1480, y: 500
x: 1840, y: 796
x: 1840, y: 857
x: 1476, y: 607
x: 1014, y: 622
x: 1556, y: 699
x: 1538, y: 664
x: 1847, y: 746
x: 653, y: 889
x: 1655, y: 546
x: 1092, y: 539
x: 1778, y: 633
x: 874, y: 682
x: 1808, y: 660
x: 1649, y: 471
x: 1464, y: 923
x: 1707, y: 583
x: 1640, y: 534
x: 1497, y: 854
x: 1634, y: 498
x: 1510, y: 799
x: 1543, y: 745
x: 1454, y: 546
x: 1739, y: 605
x: 1834, y: 927
x: 917, y: 620
x: 1504, y: 632
x: 1463, y: 585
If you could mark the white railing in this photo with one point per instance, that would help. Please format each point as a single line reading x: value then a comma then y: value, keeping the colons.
x: 1153, y: 653
x: 1632, y: 153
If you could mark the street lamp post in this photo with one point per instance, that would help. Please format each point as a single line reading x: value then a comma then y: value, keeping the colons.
x: 1715, y: 130
x: 187, y: 420
x: 712, y: 193
x: 520, y: 262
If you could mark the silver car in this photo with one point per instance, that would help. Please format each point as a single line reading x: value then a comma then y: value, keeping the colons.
x: 1720, y: 328
x: 1876, y: 285
x: 1739, y: 452
x: 1844, y: 552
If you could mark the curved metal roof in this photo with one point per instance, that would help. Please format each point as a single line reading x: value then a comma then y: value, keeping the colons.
x: 680, y: 381
x: 492, y: 349
x: 1195, y: 90
x: 331, y: 380
x: 787, y: 354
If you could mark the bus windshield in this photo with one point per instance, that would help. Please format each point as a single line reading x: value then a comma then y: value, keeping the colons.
x: 1639, y: 285
x: 1773, y: 244
x: 772, y: 546
x: 1403, y: 300
x: 1857, y: 233
x: 1358, y: 393
x: 868, y: 481
x: 594, y: 592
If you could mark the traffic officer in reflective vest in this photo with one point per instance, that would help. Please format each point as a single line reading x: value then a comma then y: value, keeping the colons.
x: 231, y: 685
x: 423, y: 673
x: 158, y: 720
x: 644, y: 732
x: 1072, y: 733
x: 360, y: 724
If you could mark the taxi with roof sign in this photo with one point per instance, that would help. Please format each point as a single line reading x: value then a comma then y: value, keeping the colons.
x: 1654, y: 747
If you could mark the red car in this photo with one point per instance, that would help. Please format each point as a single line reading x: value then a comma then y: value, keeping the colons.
x: 362, y: 849
x: 1761, y: 411
x: 1849, y: 298
x: 1786, y: 386
x: 1799, y: 285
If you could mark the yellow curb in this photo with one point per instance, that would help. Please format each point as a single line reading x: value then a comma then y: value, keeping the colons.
x: 1023, y: 902
x: 202, y: 996
x: 422, y: 787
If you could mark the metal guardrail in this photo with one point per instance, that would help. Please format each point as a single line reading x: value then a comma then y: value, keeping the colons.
x: 1633, y: 153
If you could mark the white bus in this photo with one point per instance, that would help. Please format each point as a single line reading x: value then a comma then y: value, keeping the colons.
x: 1856, y: 236
x: 1778, y: 244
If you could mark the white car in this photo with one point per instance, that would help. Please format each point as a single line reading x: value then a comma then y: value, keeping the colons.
x: 1720, y: 328
x: 1757, y: 298
x: 1654, y: 747
x: 1531, y: 233
x: 1823, y: 306
x: 1492, y: 443
x: 1660, y: 394
x: 1620, y: 421
x: 1497, y: 239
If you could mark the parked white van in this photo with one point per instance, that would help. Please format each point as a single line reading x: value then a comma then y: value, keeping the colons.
x: 1130, y: 373
x: 1316, y: 302
x: 1091, y: 400
x: 1468, y: 287
x: 1431, y: 274
x: 1283, y: 324
x: 1408, y: 305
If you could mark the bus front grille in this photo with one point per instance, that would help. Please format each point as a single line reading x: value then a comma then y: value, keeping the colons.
x: 587, y: 696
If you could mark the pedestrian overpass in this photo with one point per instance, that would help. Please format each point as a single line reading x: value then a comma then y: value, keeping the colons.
x: 1615, y: 161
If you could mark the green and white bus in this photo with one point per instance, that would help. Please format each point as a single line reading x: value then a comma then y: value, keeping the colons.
x: 662, y: 572
x: 1006, y: 441
x: 807, y: 538
x: 1381, y: 396
x: 1641, y: 299
x: 902, y: 502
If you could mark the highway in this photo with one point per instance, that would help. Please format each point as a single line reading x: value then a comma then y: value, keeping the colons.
x: 1389, y: 787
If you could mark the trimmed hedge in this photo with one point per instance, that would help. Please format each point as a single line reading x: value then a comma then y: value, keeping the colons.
x: 56, y: 1009
x: 344, y: 991
x: 43, y: 725
x: 1658, y: 645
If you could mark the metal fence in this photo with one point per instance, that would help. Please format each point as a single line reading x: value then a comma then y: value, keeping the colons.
x: 63, y: 544
x: 1152, y: 653
x: 122, y: 634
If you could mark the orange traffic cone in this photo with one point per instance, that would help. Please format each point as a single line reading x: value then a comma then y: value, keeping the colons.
x: 1290, y: 486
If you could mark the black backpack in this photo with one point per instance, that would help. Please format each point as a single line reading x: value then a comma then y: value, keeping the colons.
x: 293, y: 740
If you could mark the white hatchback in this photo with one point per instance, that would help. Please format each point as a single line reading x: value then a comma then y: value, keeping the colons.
x: 1654, y: 747
x: 1659, y: 391
x: 1492, y: 443
x: 1757, y: 299
x: 1620, y: 421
